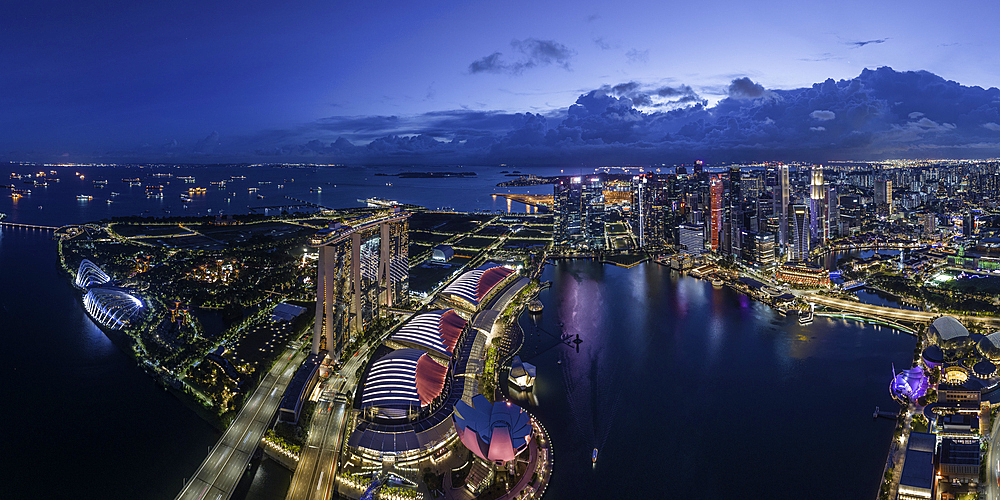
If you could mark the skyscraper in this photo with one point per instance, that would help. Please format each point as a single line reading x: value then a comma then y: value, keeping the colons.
x: 649, y: 211
x: 362, y: 266
x: 781, y: 205
x: 579, y: 211
x: 715, y: 219
x: 819, y: 221
x: 734, y: 212
x: 798, y: 218
x: 883, y: 197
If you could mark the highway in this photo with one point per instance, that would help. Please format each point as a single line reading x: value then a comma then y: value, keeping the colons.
x: 318, y: 462
x: 221, y: 471
x: 992, y: 456
x: 890, y: 312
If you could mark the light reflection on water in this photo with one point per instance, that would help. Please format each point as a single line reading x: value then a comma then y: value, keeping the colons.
x: 685, y: 382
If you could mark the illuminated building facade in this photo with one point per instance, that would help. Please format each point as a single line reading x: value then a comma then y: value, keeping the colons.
x: 361, y: 267
x: 883, y: 197
x: 578, y: 204
x: 650, y: 210
x: 781, y: 200
x: 798, y: 218
x: 819, y: 218
x: 715, y: 218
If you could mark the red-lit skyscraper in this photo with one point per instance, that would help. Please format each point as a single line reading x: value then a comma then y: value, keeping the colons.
x: 715, y: 221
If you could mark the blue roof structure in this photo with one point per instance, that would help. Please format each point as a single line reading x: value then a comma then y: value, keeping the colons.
x: 112, y: 307
x: 89, y: 275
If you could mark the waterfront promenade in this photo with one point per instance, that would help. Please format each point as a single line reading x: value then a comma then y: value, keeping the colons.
x: 221, y: 471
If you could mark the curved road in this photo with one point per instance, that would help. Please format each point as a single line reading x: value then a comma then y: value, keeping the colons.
x: 992, y: 455
x: 221, y: 471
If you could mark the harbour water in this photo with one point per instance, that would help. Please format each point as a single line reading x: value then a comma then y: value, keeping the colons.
x: 691, y: 391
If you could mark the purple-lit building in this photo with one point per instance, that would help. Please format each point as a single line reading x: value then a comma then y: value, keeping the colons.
x: 909, y: 384
x: 496, y: 432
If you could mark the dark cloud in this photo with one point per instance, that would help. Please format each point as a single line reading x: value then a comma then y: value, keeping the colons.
x: 602, y: 43
x: 745, y: 88
x: 866, y: 42
x: 879, y: 114
x: 529, y: 53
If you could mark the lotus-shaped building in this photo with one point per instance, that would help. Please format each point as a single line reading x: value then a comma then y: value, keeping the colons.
x: 909, y: 384
x: 497, y: 432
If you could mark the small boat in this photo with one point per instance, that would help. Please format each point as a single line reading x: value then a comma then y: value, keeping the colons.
x: 594, y: 458
x: 717, y: 283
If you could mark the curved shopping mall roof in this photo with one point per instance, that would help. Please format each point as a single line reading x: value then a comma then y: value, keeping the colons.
x: 476, y: 284
x: 436, y: 331
x: 948, y: 328
x: 89, y: 275
x: 493, y: 431
x: 112, y: 307
x: 403, y: 378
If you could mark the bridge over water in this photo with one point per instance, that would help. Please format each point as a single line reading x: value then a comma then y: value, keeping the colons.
x: 891, y: 313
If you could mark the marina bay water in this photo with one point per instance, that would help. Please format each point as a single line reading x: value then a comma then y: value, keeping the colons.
x: 692, y: 391
x: 246, y: 188
x: 686, y: 389
x: 80, y: 419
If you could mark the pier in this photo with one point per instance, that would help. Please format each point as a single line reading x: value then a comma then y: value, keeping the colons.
x: 27, y: 226
x: 884, y: 414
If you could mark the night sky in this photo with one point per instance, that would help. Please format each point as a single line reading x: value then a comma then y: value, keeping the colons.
x: 477, y: 82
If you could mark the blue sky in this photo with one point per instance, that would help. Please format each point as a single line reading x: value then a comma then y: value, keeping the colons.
x: 260, y: 81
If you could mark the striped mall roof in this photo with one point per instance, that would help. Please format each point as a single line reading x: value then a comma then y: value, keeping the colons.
x: 476, y: 284
x: 436, y: 331
x: 403, y: 378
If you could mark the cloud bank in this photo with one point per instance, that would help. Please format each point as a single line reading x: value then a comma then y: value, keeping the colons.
x: 879, y: 114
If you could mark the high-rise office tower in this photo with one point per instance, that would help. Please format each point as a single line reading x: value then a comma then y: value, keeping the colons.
x: 734, y: 212
x: 781, y: 199
x: 592, y: 202
x: 883, y: 197
x: 578, y: 204
x: 798, y: 219
x: 819, y: 221
x: 968, y: 224
x: 715, y: 219
x: 566, y: 207
x: 832, y: 212
x: 362, y: 266
x: 650, y: 211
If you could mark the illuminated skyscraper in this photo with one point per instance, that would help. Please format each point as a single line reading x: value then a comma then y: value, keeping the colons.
x: 781, y: 198
x: 819, y: 220
x: 715, y: 220
x: 362, y: 267
x: 579, y: 211
x: 798, y: 219
x: 883, y: 197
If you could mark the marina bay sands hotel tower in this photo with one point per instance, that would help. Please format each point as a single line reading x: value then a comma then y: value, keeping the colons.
x: 362, y: 267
